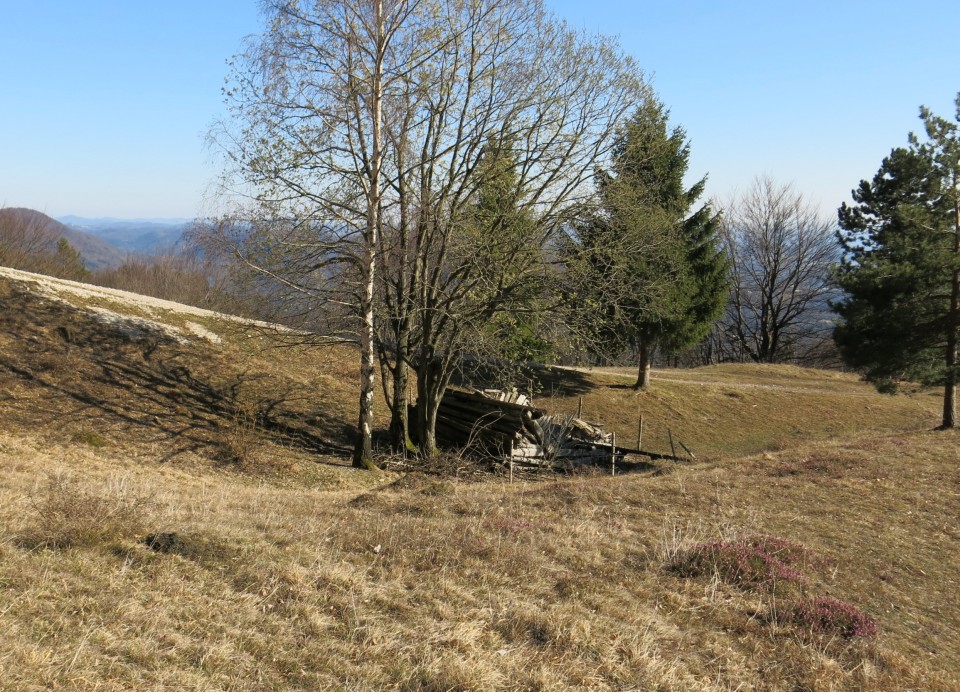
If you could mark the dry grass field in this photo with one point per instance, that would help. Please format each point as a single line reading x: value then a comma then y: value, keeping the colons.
x: 177, y: 513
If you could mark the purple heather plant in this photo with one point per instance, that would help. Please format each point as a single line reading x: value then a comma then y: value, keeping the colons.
x: 822, y: 615
x: 758, y: 561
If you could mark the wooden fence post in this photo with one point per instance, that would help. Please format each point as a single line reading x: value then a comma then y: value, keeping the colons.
x: 613, y: 454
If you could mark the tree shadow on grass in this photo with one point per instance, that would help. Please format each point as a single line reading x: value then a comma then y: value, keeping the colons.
x: 71, y: 370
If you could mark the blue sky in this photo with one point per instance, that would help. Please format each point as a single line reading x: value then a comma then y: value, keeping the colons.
x: 105, y: 103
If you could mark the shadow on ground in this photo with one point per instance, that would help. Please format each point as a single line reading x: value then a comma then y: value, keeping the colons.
x: 66, y: 371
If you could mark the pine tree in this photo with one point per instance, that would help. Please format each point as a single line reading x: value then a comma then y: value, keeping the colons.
x: 655, y: 272
x: 68, y: 263
x: 901, y: 269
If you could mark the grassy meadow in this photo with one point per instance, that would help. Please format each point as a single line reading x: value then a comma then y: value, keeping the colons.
x: 180, y: 514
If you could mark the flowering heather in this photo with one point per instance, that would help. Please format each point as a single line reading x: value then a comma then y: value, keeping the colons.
x: 830, y: 616
x: 762, y: 561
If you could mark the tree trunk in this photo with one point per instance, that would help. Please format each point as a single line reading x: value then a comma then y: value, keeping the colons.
x: 429, y: 393
x: 950, y: 385
x: 643, y: 368
x: 953, y: 323
x: 399, y: 422
x: 363, y: 450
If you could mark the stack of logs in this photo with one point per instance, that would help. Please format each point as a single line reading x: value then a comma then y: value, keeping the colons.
x: 491, y: 420
x: 505, y: 424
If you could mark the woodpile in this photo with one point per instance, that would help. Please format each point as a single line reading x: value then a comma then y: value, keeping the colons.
x: 490, y: 419
x: 507, y: 425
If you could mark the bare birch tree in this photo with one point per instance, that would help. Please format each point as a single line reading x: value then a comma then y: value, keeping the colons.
x: 307, y: 148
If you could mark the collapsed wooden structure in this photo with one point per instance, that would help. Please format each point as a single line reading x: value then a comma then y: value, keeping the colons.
x: 506, y: 424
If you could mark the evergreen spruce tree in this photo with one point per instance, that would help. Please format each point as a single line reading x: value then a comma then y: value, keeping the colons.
x: 901, y: 266
x: 506, y: 234
x: 657, y: 274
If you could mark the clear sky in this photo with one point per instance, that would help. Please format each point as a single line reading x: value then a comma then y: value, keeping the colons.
x: 104, y: 103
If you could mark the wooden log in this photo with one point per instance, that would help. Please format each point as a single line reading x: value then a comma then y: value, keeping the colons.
x: 457, y: 395
x: 480, y: 424
x: 485, y: 403
x: 534, y: 428
x: 527, y: 453
x: 461, y: 434
x: 492, y: 415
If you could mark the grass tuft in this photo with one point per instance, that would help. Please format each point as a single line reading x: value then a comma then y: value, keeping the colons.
x: 68, y: 514
x: 89, y: 438
x: 764, y: 562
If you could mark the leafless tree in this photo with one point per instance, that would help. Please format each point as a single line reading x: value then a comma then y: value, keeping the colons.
x: 306, y: 148
x: 782, y: 252
x: 358, y: 134
x: 517, y: 102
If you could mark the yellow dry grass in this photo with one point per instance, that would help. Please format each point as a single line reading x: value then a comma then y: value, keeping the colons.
x: 293, y: 571
x: 425, y: 583
x: 728, y: 411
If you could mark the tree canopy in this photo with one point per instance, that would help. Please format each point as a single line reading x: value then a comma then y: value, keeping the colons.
x: 901, y: 265
x: 653, y: 274
x: 783, y: 252
x: 360, y: 144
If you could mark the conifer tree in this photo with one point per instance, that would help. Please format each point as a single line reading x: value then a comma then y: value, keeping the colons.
x: 901, y: 266
x: 656, y: 273
x: 68, y: 263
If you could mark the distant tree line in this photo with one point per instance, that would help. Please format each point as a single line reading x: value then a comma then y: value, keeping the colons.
x: 29, y: 241
x: 27, y: 244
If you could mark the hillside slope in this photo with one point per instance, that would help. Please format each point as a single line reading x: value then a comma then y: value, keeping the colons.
x: 45, y: 232
x: 177, y: 511
x: 165, y: 380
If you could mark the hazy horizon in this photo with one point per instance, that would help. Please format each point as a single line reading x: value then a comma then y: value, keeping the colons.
x: 112, y: 102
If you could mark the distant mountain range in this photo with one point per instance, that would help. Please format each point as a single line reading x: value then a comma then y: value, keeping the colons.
x: 30, y: 228
x: 143, y: 236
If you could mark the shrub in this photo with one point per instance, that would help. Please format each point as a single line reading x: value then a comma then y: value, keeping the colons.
x: 822, y: 615
x: 91, y: 439
x: 759, y: 561
x: 69, y: 515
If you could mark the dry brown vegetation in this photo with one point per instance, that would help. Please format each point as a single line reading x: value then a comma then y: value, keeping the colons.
x: 135, y: 553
